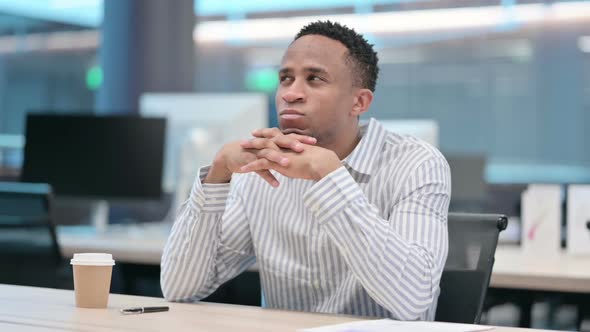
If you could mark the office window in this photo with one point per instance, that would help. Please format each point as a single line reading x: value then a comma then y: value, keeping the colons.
x: 516, y: 93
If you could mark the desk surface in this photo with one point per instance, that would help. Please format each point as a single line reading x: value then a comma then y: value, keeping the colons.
x: 513, y: 267
x: 44, y: 309
x: 560, y: 272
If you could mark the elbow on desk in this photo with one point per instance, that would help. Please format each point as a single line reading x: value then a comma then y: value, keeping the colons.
x: 411, y: 312
x: 414, y: 296
x: 168, y: 294
x: 178, y: 290
x: 173, y: 294
x: 168, y: 290
x: 172, y: 286
x: 416, y: 291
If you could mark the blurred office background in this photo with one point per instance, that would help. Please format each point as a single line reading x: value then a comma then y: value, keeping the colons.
x: 507, y: 82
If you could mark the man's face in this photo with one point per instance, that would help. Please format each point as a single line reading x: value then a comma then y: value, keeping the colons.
x: 315, y: 95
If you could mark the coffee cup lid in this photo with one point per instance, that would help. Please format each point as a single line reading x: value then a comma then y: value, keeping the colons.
x: 93, y: 259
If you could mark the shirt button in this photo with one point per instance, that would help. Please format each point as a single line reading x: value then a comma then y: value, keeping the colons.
x: 316, y: 284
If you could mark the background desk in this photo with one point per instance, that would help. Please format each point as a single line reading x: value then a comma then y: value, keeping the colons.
x: 559, y: 273
x: 524, y: 278
x: 137, y: 244
x: 143, y: 244
x: 44, y: 309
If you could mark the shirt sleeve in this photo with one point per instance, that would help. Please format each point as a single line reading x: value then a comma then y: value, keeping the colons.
x: 397, y: 258
x: 209, y: 244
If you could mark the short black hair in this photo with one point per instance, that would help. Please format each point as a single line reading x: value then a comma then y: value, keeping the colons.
x: 360, y: 53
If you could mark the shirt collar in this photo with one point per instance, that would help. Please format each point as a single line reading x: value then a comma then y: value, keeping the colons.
x: 362, y: 158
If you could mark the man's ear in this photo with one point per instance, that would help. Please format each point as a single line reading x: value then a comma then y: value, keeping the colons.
x: 362, y: 101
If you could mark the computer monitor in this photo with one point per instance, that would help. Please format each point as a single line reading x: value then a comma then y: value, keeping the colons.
x: 217, y: 117
x: 424, y: 129
x: 468, y: 185
x: 198, y: 125
x: 97, y: 157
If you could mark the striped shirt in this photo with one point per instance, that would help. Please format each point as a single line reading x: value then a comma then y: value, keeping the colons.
x: 368, y: 239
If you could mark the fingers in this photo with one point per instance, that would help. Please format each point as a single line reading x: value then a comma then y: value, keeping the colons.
x: 268, y: 177
x: 259, y: 144
x: 276, y: 132
x: 267, y: 158
x: 267, y: 132
x: 290, y: 142
x: 304, y: 138
x: 274, y: 156
x: 257, y: 165
x: 270, y: 156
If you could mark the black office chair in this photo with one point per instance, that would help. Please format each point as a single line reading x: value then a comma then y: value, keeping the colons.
x: 466, y: 276
x: 29, y: 251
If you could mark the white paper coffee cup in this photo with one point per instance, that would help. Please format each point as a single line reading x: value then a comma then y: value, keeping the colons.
x: 92, y: 279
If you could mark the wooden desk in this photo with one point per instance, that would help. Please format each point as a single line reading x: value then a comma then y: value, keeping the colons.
x: 44, y: 309
x: 561, y: 272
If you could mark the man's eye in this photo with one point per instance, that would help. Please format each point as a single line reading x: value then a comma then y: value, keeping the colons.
x: 314, y: 78
x: 283, y: 78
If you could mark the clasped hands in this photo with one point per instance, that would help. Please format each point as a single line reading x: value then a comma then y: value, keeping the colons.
x: 292, y: 155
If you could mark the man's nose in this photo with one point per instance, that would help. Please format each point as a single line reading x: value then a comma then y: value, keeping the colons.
x: 293, y: 94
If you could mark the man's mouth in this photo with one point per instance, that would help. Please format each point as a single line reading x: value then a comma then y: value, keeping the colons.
x: 291, y: 114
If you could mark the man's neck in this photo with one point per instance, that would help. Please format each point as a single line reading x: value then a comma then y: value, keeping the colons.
x: 344, y: 146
